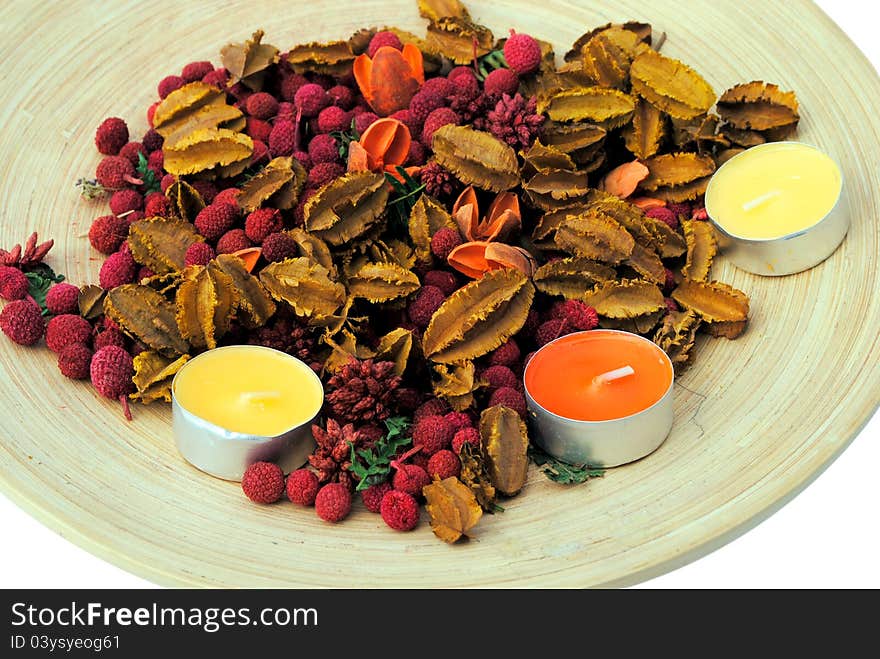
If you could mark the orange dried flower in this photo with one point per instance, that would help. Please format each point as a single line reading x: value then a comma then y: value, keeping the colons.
x: 383, y: 146
x: 390, y: 78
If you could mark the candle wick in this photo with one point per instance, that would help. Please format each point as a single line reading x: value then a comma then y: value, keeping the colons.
x: 616, y: 374
x: 760, y: 201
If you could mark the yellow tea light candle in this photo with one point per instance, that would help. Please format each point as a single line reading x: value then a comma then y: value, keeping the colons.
x: 238, y: 404
x: 777, y: 208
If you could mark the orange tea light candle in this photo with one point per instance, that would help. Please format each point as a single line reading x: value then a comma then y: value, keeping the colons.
x: 602, y: 397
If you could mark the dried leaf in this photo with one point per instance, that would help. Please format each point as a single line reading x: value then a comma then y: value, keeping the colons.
x: 427, y: 217
x: 277, y: 174
x: 641, y: 30
x: 727, y: 329
x: 347, y: 208
x: 595, y: 235
x: 381, y: 282
x: 685, y: 192
x: 638, y: 325
x: 459, y: 39
x: 670, y: 85
x: 174, y: 109
x: 147, y: 316
x: 701, y: 249
x: 186, y: 202
x: 609, y: 108
x: 648, y: 128
x: 314, y: 248
x: 676, y: 169
x: 396, y: 346
x: 254, y: 302
x: 552, y: 220
x: 744, y: 138
x: 476, y: 158
x: 91, y: 302
x: 646, y: 262
x: 574, y: 138
x: 453, y: 508
x: 160, y: 243
x: 554, y: 188
x: 505, y: 443
x: 700, y: 133
x: 759, y: 106
x: 672, y: 244
x: 248, y: 61
x: 434, y: 10
x: 153, y: 374
x: 206, y: 300
x: 456, y: 383
x: 305, y: 285
x: 572, y: 277
x: 214, y: 115
x: 475, y: 475
x: 479, y: 317
x: 676, y: 337
x: 344, y: 347
x: 627, y: 298
x: 713, y: 301
x: 332, y: 58
x: 205, y: 149
x: 631, y: 217
x: 608, y: 55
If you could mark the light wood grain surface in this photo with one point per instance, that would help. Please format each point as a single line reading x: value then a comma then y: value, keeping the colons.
x: 756, y: 419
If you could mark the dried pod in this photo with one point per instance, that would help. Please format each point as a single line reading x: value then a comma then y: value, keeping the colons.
x: 700, y: 134
x: 608, y: 55
x: 160, y: 243
x: 579, y: 139
x: 631, y: 217
x: 542, y: 158
x: 627, y: 298
x: 685, y: 192
x: 595, y: 235
x: 396, y: 346
x: 153, y: 374
x: 609, y: 108
x: 381, y: 282
x: 305, y: 285
x: 505, y: 443
x: 743, y: 138
x: 647, y: 263
x: 479, y: 317
x: 475, y: 475
x: 572, y: 277
x: 555, y: 188
x: 434, y: 10
x: 676, y: 169
x: 672, y: 245
x: 206, y: 300
x: 428, y: 216
x: 173, y: 110
x: 255, y: 306
x: 147, y: 316
x: 641, y: 30
x: 314, y: 248
x: 332, y: 58
x: 759, y: 106
x: 453, y: 508
x: 648, y: 128
x: 271, y: 180
x: 701, y: 249
x: 670, y: 85
x: 343, y: 348
x: 476, y: 158
x: 455, y: 383
x: 248, y: 61
x: 638, y: 325
x: 205, y: 149
x: 676, y: 336
x: 713, y: 301
x: 91, y: 302
x: 730, y: 329
x: 476, y: 258
x: 459, y: 39
x: 552, y: 220
x: 212, y: 116
x: 347, y: 208
x: 186, y: 202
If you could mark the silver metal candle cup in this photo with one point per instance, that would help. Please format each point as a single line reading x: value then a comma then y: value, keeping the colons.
x: 786, y: 255
x: 226, y: 454
x: 603, y: 443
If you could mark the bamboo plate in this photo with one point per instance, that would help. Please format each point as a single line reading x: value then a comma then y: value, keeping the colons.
x: 756, y: 419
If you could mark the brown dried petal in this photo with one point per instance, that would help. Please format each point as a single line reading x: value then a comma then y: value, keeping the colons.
x: 647, y: 263
x: 147, y: 316
x: 205, y: 149
x: 758, y: 106
x: 434, y: 10
x: 608, y: 108
x: 305, y: 285
x: 572, y: 277
x: 574, y: 137
x: 475, y: 475
x: 428, y: 216
x: 333, y: 58
x: 160, y: 243
x: 253, y: 300
x: 314, y: 248
x: 700, y: 133
x: 347, y: 208
x: 638, y: 325
x: 91, y: 302
x: 476, y: 158
x: 206, y: 300
x: 641, y: 30
x: 247, y: 61
x: 453, y: 508
x: 186, y: 202
x: 713, y: 301
x: 631, y: 217
x: 181, y: 103
x: 396, y: 346
x: 455, y: 383
x: 676, y: 169
x: 670, y: 85
x: 701, y: 249
x: 381, y: 282
x: 686, y: 192
x: 672, y: 245
x: 457, y: 38
x: 595, y: 235
x: 648, y: 128
x: 627, y: 298
x: 727, y: 329
x: 541, y: 158
x: 744, y: 138
x: 269, y: 181
x: 552, y: 188
x: 215, y: 115
x: 153, y: 374
x: 505, y: 442
x: 479, y: 317
x: 676, y: 336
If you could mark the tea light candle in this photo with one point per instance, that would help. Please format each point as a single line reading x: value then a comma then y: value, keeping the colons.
x: 236, y: 405
x: 602, y: 397
x: 777, y: 208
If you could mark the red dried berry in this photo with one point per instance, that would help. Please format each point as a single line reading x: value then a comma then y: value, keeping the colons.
x: 13, y: 283
x: 460, y: 71
x: 439, y: 181
x: 118, y: 269
x: 302, y: 487
x: 669, y: 282
x: 74, y: 361
x: 167, y: 181
x: 151, y: 112
x: 215, y: 220
x: 436, y: 120
x: 333, y: 118
x: 323, y: 173
x: 278, y: 247
x: 111, y: 371
x: 132, y: 152
x: 509, y: 397
x: 169, y: 84
x: 400, y: 511
x: 261, y: 105
x: 233, y: 241
x: 62, y: 298
x: 417, y: 155
x: 111, y: 136
x: 110, y: 337
x: 458, y: 420
x: 198, y: 254
x: 324, y: 148
x: 551, y: 330
x: 291, y: 84
x: 407, y: 119
x: 22, y: 321
x: 262, y: 222
x: 500, y: 376
x: 442, y: 279
x: 152, y: 140
x: 424, y: 305
x: 665, y: 215
x: 116, y: 172
x: 227, y: 196
x: 579, y: 315
x: 671, y: 305
x: 217, y: 77
x: 156, y: 161
x: 444, y: 241
x: 263, y: 482
x: 364, y: 121
x: 157, y: 204
x: 431, y: 407
x: 382, y: 39
x: 466, y: 436
x: 432, y: 433
x: 372, y: 496
x: 440, y: 86
x: 196, y: 71
x: 424, y: 103
x: 506, y: 354
x: 258, y: 129
x: 66, y: 329
x: 411, y: 479
x: 282, y: 139
x: 333, y: 502
x: 501, y: 81
x: 144, y: 273
x: 444, y: 464
x: 341, y: 96
x: 123, y: 201
x: 681, y: 209
x: 522, y: 53
x: 310, y: 99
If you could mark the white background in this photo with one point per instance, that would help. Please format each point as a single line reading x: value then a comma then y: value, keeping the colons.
x: 827, y: 537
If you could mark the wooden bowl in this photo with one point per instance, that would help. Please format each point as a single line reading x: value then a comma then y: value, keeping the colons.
x: 756, y: 419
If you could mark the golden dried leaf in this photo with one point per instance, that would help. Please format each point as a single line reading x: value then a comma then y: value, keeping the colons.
x: 274, y: 176
x: 722, y: 157
x: 647, y: 263
x: 381, y: 282
x: 631, y: 217
x: 553, y: 188
x: 479, y: 317
x: 147, y: 316
x: 343, y: 347
x: 541, y: 158
x: 476, y: 158
x: 314, y: 248
x: 332, y: 58
x: 160, y: 243
x: 608, y: 55
x: 648, y: 128
x: 627, y: 298
x: 641, y: 30
x: 254, y: 302
x: 393, y: 251
x: 226, y: 171
x: 153, y: 374
x: 215, y: 115
x: 551, y: 221
x: 580, y: 139
x: 713, y: 301
x: 248, y: 61
x: 455, y: 383
x: 676, y: 169
x: 505, y: 443
x: 206, y: 300
x: 727, y: 329
x: 672, y: 245
x: 186, y: 202
x: 305, y: 285
x: 572, y: 277
x: 475, y: 475
x: 288, y: 195
x: 700, y: 133
x: 670, y: 85
x: 91, y: 302
x: 453, y: 508
x: 347, y: 207
x: 456, y: 38
x: 608, y: 108
x: 701, y: 249
x: 676, y: 337
x: 595, y: 235
x: 759, y: 106
x: 181, y: 103
x: 164, y: 283
x: 685, y: 192
x: 396, y: 346
x: 205, y: 149
x: 743, y: 138
x: 638, y: 325
x: 427, y: 217
x: 434, y: 10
